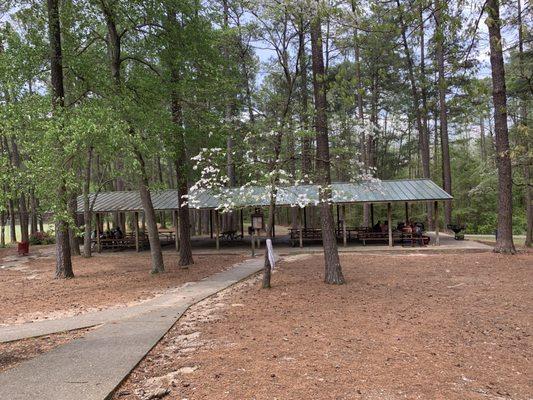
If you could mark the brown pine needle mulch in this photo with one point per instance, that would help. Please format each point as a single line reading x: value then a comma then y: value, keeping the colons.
x: 420, y: 326
x: 110, y: 279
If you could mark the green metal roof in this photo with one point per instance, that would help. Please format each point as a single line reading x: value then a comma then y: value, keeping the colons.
x: 410, y: 190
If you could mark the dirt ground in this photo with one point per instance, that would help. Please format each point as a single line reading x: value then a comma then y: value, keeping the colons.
x: 413, y: 326
x: 29, y: 291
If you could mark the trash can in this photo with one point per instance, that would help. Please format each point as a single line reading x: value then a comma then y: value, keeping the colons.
x: 23, y: 248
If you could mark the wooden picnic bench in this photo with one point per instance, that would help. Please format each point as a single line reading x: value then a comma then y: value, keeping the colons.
x: 308, y: 234
x: 351, y: 233
x: 127, y: 242
x: 366, y: 236
x: 412, y: 239
x: 230, y: 235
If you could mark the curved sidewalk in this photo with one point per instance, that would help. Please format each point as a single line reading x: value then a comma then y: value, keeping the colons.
x: 91, y: 367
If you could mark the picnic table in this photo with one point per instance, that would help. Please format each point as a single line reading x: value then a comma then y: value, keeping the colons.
x: 168, y: 235
x: 412, y: 239
x: 230, y: 235
x: 307, y: 234
x: 368, y: 236
x: 126, y: 242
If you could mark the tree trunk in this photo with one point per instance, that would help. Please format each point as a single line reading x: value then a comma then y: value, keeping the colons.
x: 34, y: 213
x: 22, y: 208
x: 482, y: 145
x: 423, y: 138
x: 186, y: 258
x: 443, y: 112
x: 267, y: 268
x: 73, y: 237
x: 12, y: 221
x: 304, y: 101
x: 181, y: 162
x: 528, y: 195
x: 504, y: 242
x: 333, y: 270
x: 228, y: 218
x: 162, y: 219
x: 2, y: 229
x: 149, y: 214
x: 87, y: 214
x: 63, y: 259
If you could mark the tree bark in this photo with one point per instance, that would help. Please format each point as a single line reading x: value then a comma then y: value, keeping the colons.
x: 22, y: 208
x: 423, y: 138
x: 2, y: 229
x: 185, y: 252
x: 34, y: 213
x: 12, y: 221
x: 87, y: 214
x: 443, y: 112
x: 528, y: 195
x: 73, y: 238
x: 181, y: 162
x: 304, y: 106
x: 504, y: 242
x: 63, y: 258
x: 333, y: 270
x: 267, y: 268
x: 482, y: 139
x: 149, y: 213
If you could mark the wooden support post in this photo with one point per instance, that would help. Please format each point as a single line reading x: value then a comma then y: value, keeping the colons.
x: 338, y: 216
x: 372, y: 214
x: 177, y: 230
x: 211, y: 224
x: 253, y: 242
x: 217, y: 229
x: 300, y: 233
x: 437, y: 239
x: 242, y: 225
x: 136, y: 230
x: 98, y: 245
x: 406, y: 213
x: 389, y: 222
x: 305, y: 218
x: 344, y: 239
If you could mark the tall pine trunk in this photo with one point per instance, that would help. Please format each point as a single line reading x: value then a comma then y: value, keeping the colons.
x: 528, y: 195
x: 87, y: 214
x: 443, y: 111
x: 73, y: 238
x: 306, y: 165
x: 34, y: 213
x: 2, y: 229
x: 333, y: 270
x: 504, y: 242
x: 423, y: 139
x: 63, y: 258
x: 181, y: 163
x: 22, y: 208
x: 360, y: 112
x: 12, y: 221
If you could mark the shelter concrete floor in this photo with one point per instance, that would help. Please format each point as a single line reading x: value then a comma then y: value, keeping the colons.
x: 205, y: 245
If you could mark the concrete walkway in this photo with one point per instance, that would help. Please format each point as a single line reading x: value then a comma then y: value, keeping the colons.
x: 91, y: 367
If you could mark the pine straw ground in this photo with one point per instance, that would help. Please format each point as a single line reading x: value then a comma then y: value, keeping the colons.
x: 418, y: 326
x: 29, y: 291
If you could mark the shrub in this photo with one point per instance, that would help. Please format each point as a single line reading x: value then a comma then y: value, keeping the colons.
x: 41, y: 238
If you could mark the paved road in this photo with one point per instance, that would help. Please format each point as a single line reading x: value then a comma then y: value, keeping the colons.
x: 91, y: 367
